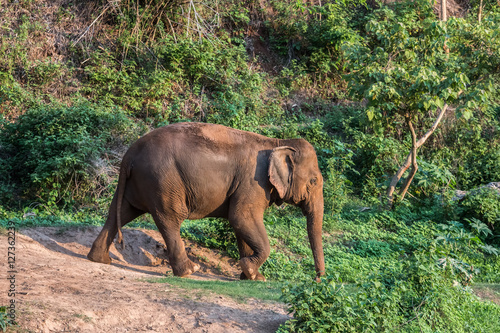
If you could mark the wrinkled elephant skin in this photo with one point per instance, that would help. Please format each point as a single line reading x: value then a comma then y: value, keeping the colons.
x: 195, y: 170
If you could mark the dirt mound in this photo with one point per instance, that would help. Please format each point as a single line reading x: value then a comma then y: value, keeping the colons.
x: 144, y: 248
x: 59, y: 289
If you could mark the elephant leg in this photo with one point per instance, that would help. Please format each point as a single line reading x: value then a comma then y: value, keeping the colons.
x: 246, y: 251
x: 170, y: 229
x: 253, y: 242
x: 100, y: 249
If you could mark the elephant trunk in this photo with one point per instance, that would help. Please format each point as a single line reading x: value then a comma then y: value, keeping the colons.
x: 313, y: 210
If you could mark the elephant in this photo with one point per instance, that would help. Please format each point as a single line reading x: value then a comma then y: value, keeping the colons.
x: 196, y: 170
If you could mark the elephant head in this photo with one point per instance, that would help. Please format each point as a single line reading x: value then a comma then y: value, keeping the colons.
x: 295, y: 174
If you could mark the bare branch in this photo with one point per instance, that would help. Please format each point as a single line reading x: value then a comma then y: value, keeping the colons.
x: 91, y: 24
x: 414, y: 168
x: 408, y: 162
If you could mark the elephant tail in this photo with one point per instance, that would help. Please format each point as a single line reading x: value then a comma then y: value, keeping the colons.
x: 122, y: 181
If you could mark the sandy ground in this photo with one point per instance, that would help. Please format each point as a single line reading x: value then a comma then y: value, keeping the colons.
x: 59, y: 290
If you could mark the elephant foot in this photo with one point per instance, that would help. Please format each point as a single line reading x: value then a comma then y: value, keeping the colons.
x: 99, y: 257
x: 186, y: 269
x: 249, y: 271
x: 258, y: 277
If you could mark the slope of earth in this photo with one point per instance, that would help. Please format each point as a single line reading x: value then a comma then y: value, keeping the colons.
x: 58, y: 289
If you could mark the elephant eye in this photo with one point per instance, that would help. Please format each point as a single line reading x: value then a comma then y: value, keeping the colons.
x: 313, y: 181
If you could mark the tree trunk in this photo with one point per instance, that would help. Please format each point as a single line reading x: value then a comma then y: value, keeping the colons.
x: 414, y: 166
x: 444, y: 14
x: 480, y: 11
x: 412, y: 157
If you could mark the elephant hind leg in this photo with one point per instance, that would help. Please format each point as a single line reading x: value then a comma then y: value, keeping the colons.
x: 170, y: 229
x: 100, y: 249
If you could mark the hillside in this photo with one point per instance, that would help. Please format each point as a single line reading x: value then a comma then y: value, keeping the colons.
x: 401, y: 106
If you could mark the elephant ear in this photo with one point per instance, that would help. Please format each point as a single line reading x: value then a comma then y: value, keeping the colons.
x: 281, y: 169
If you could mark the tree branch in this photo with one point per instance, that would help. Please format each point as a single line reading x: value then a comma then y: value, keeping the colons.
x: 395, y: 179
x: 414, y: 168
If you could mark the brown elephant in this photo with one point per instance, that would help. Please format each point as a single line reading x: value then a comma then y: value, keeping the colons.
x: 195, y: 170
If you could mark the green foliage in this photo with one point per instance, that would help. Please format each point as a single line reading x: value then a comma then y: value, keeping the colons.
x: 11, y: 92
x: 4, y: 319
x: 290, y: 258
x: 482, y: 204
x: 432, y: 178
x: 413, y: 287
x: 51, y: 152
x: 337, y: 186
x: 280, y: 70
x: 418, y: 295
x: 204, y: 80
x: 408, y: 64
x: 128, y: 85
x: 372, y: 248
x: 213, y: 233
x: 326, y: 36
x: 44, y: 72
x: 402, y: 66
x: 280, y: 267
x: 480, y: 157
x: 374, y: 159
x: 41, y: 216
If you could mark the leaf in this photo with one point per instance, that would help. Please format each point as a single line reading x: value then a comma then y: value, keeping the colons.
x: 489, y: 249
x: 467, y: 114
x: 370, y: 114
x: 479, y: 226
x: 439, y: 103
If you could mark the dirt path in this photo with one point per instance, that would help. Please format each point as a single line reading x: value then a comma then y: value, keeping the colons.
x: 59, y: 290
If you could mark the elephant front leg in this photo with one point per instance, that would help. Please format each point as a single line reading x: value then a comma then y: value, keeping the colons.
x: 246, y: 251
x: 253, y: 244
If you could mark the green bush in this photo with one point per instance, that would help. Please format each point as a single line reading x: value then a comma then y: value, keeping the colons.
x: 4, y: 320
x: 281, y: 266
x: 190, y: 79
x: 64, y: 154
x: 213, y: 233
x: 372, y: 248
x: 375, y: 159
x: 419, y: 295
x: 484, y: 205
x: 473, y: 154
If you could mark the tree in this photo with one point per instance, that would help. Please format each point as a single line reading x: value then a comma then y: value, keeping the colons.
x: 410, y: 67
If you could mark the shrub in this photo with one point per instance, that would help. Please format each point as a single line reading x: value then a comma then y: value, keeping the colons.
x: 57, y: 154
x: 372, y: 248
x: 418, y: 295
x: 5, y: 321
x: 478, y: 158
x: 213, y: 233
x: 374, y: 157
x: 482, y: 204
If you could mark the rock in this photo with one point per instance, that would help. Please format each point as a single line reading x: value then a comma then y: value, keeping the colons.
x: 459, y: 195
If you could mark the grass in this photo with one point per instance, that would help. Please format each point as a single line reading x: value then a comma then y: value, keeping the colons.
x: 240, y: 291
x: 271, y: 291
x: 488, y: 291
x: 66, y: 219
